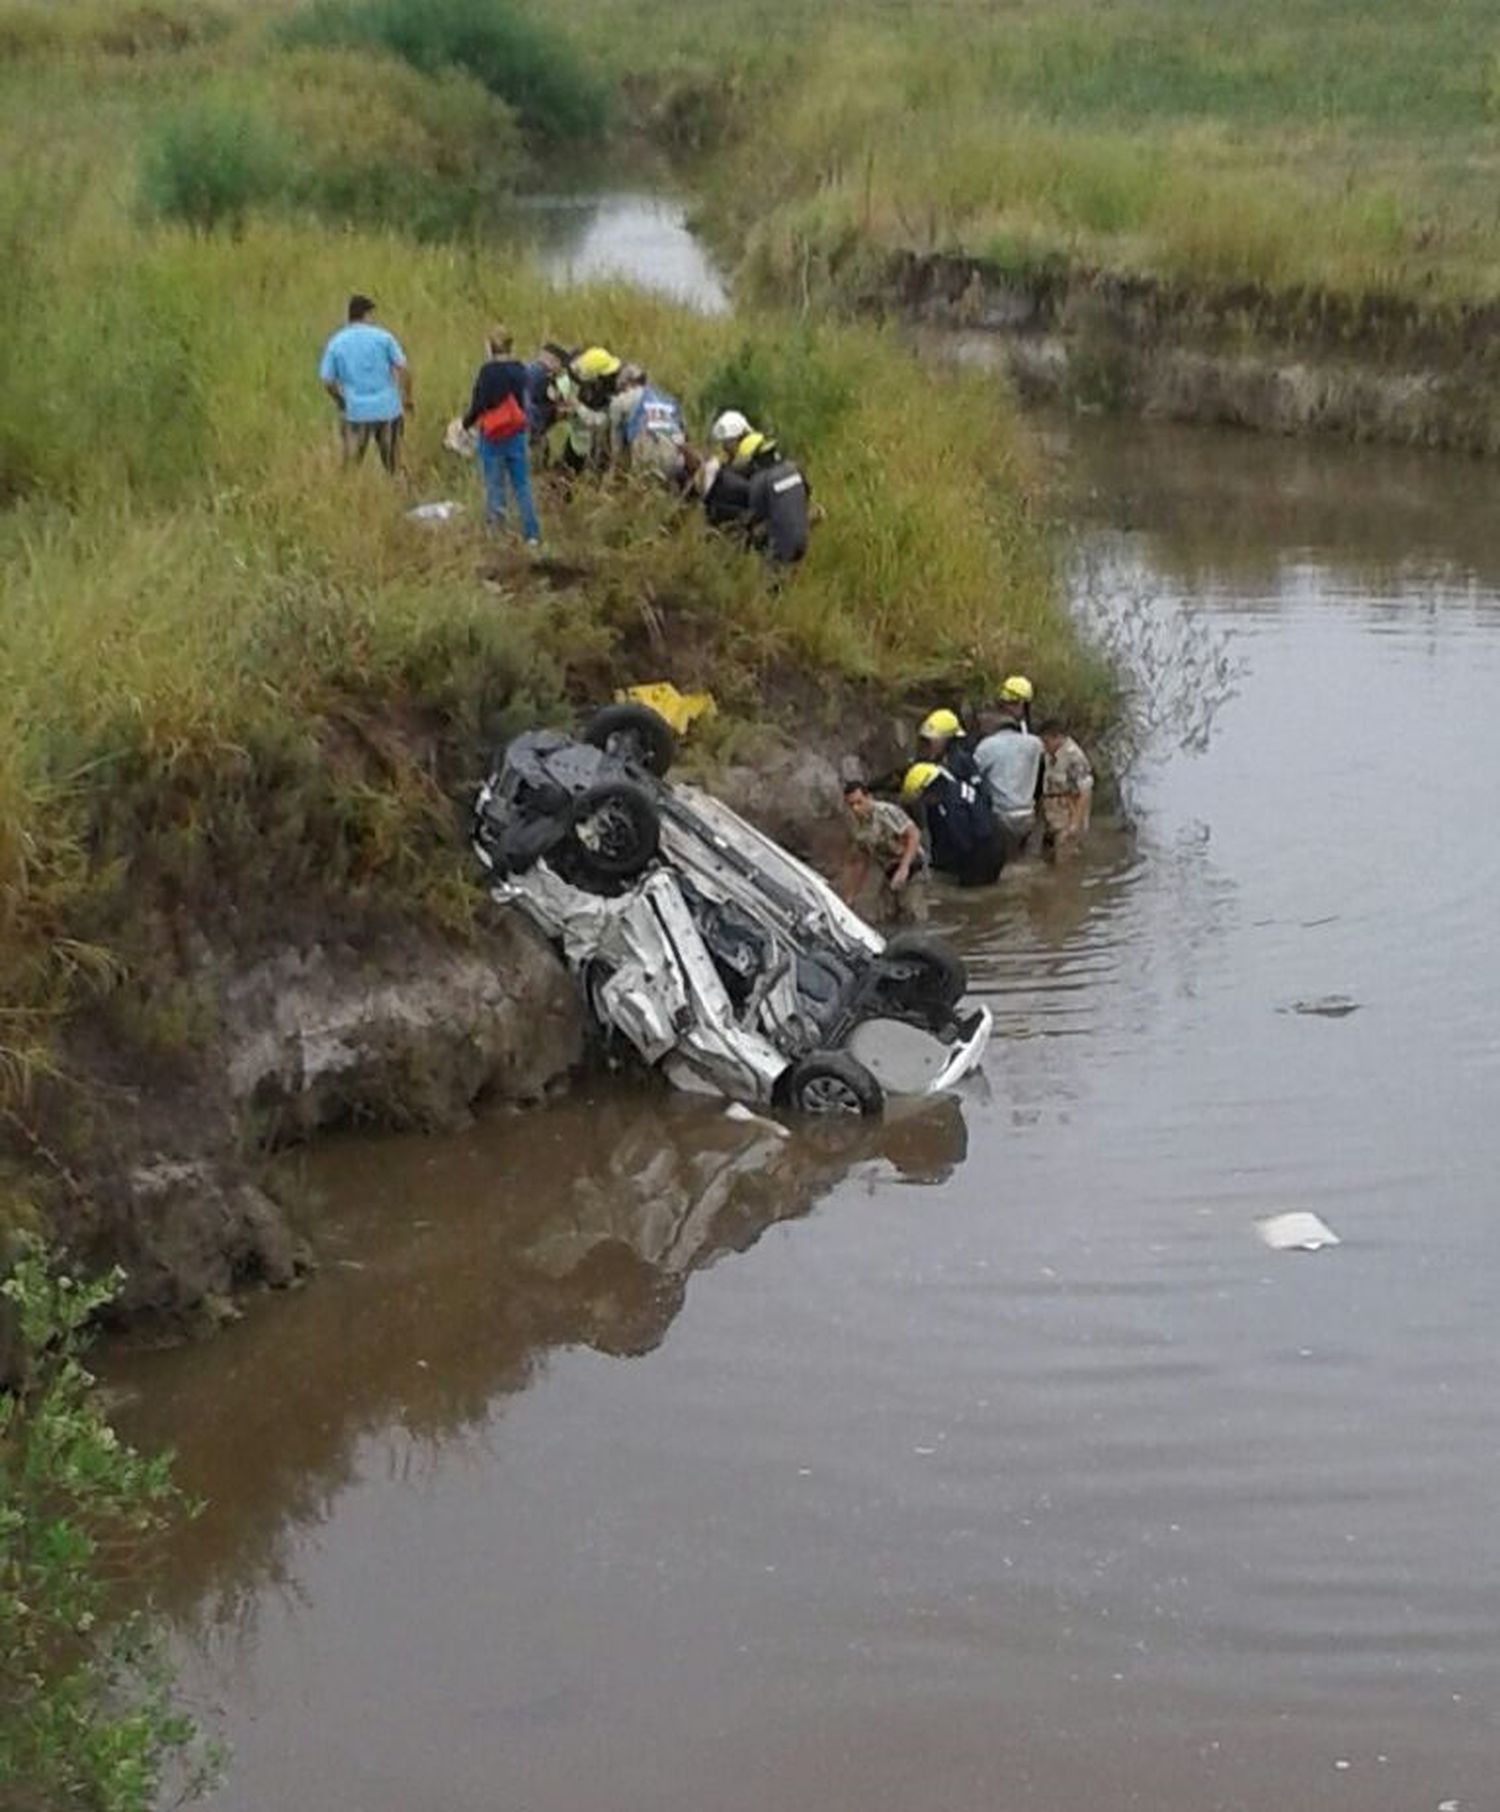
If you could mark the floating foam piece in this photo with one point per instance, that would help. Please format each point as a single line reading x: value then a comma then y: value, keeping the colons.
x: 1296, y: 1232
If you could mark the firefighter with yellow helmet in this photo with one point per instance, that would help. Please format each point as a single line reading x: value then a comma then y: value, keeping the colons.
x: 1018, y: 691
x: 941, y: 738
x: 963, y: 839
x: 595, y: 375
x: 1009, y: 760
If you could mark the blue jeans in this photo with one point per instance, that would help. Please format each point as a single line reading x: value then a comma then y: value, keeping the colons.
x: 499, y: 460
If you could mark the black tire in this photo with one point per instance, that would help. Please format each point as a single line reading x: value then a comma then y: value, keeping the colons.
x: 635, y: 734
x: 830, y: 1083
x: 613, y: 832
x: 921, y: 968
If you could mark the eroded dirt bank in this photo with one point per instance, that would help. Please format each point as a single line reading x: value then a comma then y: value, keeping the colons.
x: 409, y: 1029
x: 1290, y: 363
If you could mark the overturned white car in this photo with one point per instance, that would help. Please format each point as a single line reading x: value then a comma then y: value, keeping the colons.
x: 722, y: 959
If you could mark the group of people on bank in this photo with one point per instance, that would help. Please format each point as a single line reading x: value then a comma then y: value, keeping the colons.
x: 968, y: 805
x: 575, y: 411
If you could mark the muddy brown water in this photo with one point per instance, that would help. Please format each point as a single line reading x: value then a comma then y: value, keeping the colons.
x: 623, y: 1456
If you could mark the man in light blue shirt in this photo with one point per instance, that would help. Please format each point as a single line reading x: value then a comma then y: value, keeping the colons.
x: 1010, y: 760
x: 364, y: 370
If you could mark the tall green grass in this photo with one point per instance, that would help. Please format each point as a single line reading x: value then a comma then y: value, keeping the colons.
x: 225, y: 662
x: 210, y: 162
x: 520, y: 59
x: 353, y: 137
x: 111, y: 28
x: 1287, y: 143
x: 222, y: 120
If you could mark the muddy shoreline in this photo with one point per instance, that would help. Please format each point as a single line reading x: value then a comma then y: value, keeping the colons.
x: 1296, y: 362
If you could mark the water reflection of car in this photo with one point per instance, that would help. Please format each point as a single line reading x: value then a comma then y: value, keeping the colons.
x: 454, y: 1268
x: 680, y: 1190
x: 718, y: 956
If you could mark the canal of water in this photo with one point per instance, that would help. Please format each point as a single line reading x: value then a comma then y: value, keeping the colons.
x: 626, y: 1456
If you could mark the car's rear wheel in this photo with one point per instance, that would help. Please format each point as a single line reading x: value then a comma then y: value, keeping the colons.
x: 614, y: 831
x: 828, y: 1084
x: 923, y: 970
x: 633, y: 733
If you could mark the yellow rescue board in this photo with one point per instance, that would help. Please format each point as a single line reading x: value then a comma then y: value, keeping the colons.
x: 679, y: 708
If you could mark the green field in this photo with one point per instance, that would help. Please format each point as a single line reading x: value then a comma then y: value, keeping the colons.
x: 1328, y: 143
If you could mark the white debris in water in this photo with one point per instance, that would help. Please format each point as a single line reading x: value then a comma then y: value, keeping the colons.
x: 737, y: 1110
x: 443, y: 511
x: 1296, y: 1232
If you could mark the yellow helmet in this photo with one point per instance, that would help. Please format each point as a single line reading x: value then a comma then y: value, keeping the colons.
x: 595, y: 362
x: 942, y: 722
x: 1018, y: 687
x: 751, y: 444
x: 919, y: 775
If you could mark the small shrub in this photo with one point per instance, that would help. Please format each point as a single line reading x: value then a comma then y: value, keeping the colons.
x: 377, y: 142
x: 86, y: 1716
x: 210, y: 164
x: 533, y: 69
x: 796, y: 390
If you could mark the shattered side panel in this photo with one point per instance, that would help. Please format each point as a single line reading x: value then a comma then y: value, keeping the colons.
x: 652, y: 980
x: 817, y: 903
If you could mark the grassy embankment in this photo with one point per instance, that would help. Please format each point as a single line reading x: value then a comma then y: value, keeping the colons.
x: 240, y: 688
x: 1320, y: 146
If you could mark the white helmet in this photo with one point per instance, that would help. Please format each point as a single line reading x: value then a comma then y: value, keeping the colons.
x: 729, y: 428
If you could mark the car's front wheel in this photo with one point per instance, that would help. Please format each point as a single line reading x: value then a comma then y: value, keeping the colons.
x: 613, y: 832
x: 830, y: 1083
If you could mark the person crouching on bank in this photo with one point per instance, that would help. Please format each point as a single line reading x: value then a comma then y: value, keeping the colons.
x: 886, y: 842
